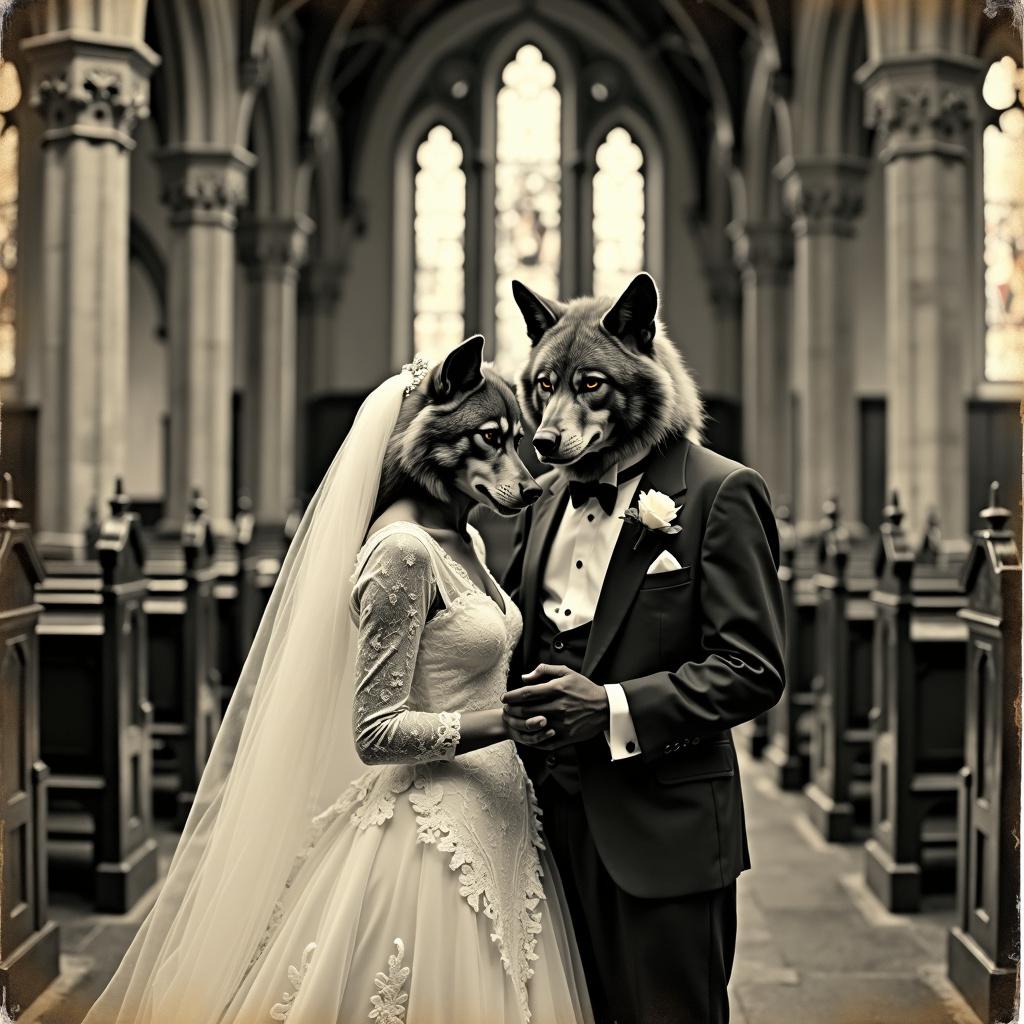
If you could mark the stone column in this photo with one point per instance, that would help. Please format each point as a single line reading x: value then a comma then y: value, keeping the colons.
x: 319, y: 355
x: 320, y: 290
x: 203, y: 187
x: 726, y: 306
x: 273, y: 250
x: 824, y: 196
x: 924, y: 108
x: 764, y: 254
x: 90, y: 89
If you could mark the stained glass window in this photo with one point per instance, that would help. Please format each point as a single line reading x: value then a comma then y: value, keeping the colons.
x: 618, y: 212
x: 1003, y: 146
x: 439, y: 289
x: 527, y: 180
x: 10, y: 94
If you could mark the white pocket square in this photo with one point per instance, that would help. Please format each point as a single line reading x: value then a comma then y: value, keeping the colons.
x: 665, y: 562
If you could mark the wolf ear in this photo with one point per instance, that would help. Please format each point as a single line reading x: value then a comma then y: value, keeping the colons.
x: 460, y: 372
x: 537, y: 312
x: 632, y: 316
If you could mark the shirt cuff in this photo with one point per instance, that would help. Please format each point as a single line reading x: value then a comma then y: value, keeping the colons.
x: 621, y: 734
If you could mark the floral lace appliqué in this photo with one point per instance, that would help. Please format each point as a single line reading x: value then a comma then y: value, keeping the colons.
x: 389, y: 1002
x: 473, y: 816
x: 387, y: 729
x: 296, y: 975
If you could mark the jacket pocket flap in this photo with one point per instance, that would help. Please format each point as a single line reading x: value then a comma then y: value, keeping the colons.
x: 672, y: 578
x: 714, y: 761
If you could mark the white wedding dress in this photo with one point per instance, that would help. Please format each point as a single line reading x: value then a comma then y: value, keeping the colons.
x: 424, y: 894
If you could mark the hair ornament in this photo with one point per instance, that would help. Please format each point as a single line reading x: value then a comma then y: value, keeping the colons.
x: 416, y: 370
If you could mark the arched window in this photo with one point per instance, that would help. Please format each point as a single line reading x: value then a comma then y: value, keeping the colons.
x: 527, y: 194
x: 618, y: 212
x: 10, y: 94
x: 1003, y: 148
x: 439, y: 288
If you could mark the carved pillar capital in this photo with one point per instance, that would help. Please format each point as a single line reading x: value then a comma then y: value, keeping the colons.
x: 922, y: 104
x: 205, y: 184
x: 823, y: 195
x: 89, y: 85
x: 763, y: 249
x: 275, y: 244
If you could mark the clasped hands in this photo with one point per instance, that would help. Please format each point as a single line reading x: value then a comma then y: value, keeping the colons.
x: 556, y: 708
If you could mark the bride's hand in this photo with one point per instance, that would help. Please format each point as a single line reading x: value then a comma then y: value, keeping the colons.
x: 528, y: 731
x: 574, y: 707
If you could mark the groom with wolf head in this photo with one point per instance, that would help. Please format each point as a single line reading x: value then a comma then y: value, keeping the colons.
x: 653, y: 624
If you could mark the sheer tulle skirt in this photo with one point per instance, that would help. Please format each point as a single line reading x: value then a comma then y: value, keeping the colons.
x: 374, y: 927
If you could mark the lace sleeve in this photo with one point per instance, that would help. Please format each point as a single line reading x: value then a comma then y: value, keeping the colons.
x: 393, y: 594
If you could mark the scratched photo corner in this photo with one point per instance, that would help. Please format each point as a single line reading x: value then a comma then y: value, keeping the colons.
x: 511, y: 511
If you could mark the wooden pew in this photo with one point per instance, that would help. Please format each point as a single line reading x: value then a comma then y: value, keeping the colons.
x: 184, y: 679
x: 96, y: 714
x: 786, y: 750
x: 840, y: 762
x: 984, y: 945
x: 916, y: 718
x: 238, y: 602
x: 29, y: 940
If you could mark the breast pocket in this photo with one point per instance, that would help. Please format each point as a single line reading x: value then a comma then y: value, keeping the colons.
x: 680, y: 577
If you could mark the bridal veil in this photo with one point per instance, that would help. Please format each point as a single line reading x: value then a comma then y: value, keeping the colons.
x: 284, y: 752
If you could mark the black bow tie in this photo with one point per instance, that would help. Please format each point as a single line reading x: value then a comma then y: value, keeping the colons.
x: 606, y: 492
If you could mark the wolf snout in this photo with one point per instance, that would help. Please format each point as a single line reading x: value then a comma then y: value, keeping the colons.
x: 546, y: 441
x: 529, y: 493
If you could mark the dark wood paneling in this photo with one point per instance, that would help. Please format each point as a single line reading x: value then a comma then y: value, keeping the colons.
x: 723, y: 430
x: 18, y: 432
x: 328, y: 419
x: 994, y: 453
x: 872, y: 460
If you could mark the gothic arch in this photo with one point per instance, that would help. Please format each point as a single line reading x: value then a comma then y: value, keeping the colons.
x: 549, y: 28
x: 199, y: 71
x: 827, y: 104
x: 767, y: 139
x: 273, y: 132
x: 403, y: 268
x: 654, y: 189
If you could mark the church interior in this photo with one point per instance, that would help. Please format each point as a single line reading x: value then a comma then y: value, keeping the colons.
x: 224, y: 222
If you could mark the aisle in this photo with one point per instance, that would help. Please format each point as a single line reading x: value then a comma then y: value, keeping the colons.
x: 815, y: 947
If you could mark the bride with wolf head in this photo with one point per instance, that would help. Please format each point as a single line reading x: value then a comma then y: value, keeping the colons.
x: 309, y: 887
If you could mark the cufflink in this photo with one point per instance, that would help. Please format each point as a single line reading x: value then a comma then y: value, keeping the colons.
x: 630, y: 746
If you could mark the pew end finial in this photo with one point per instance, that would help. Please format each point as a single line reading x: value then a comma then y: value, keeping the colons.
x: 994, y: 516
x: 196, y: 503
x: 893, y: 513
x: 120, y: 503
x: 9, y: 504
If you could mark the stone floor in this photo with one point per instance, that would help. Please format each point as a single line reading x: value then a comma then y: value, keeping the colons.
x: 814, y: 947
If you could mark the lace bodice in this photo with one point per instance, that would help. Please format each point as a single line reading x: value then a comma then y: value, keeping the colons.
x: 416, y: 673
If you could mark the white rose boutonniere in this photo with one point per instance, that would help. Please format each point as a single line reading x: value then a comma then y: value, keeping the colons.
x: 655, y: 512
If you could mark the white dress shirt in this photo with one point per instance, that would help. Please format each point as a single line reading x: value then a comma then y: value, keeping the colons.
x: 577, y: 563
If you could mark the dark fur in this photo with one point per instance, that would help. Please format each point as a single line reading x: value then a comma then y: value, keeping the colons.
x: 435, y: 448
x: 650, y: 396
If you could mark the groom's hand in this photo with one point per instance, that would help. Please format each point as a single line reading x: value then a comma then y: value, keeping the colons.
x: 573, y: 707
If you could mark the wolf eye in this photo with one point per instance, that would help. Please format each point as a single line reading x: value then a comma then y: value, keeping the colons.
x: 490, y: 437
x: 592, y: 383
x: 545, y: 384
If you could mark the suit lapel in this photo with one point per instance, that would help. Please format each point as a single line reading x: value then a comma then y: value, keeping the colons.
x: 629, y: 564
x: 542, y: 534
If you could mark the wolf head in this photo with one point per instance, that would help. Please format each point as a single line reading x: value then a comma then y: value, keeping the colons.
x: 603, y: 382
x: 456, y: 438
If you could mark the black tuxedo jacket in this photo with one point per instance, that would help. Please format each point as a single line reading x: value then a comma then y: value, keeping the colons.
x: 697, y: 650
